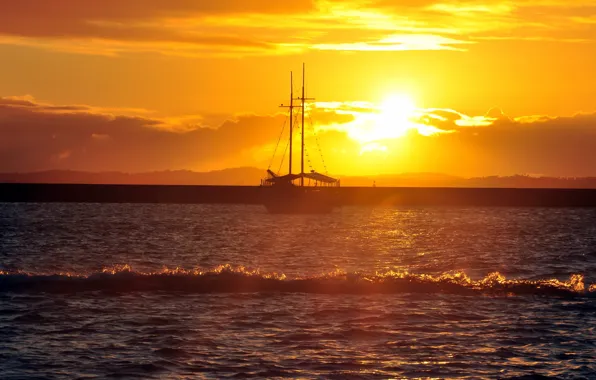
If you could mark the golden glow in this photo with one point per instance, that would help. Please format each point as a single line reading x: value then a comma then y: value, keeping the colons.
x: 399, y: 42
x: 392, y: 119
x: 375, y: 125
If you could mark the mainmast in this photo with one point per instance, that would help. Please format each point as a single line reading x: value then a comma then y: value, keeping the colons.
x: 303, y: 107
x: 303, y: 99
x: 291, y: 117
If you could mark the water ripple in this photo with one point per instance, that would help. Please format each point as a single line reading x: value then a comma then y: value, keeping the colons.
x: 159, y: 291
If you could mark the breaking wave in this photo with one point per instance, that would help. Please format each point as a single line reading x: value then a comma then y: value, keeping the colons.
x: 229, y: 279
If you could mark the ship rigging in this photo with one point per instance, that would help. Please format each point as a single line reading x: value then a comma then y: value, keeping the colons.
x: 315, y: 178
x: 303, y: 192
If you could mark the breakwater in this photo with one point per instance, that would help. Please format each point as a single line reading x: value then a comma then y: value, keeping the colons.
x: 406, y: 196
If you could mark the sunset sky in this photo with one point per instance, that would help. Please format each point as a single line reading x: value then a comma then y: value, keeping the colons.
x: 468, y: 88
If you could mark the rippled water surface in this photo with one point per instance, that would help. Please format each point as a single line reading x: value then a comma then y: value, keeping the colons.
x: 192, y: 291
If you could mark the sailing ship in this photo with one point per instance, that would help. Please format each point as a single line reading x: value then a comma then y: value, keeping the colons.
x: 303, y: 192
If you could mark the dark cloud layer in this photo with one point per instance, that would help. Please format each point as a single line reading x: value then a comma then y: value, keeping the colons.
x: 562, y: 146
x: 118, y: 10
x: 34, y: 137
x: 37, y: 137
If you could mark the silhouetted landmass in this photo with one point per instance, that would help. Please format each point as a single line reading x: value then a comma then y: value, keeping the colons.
x: 442, y: 180
x: 252, y: 176
x: 236, y: 176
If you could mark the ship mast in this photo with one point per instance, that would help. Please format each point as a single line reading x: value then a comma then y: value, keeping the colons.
x: 303, y: 107
x: 291, y: 107
x: 303, y: 99
x: 291, y: 117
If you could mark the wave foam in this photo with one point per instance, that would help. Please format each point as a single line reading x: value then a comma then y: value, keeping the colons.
x: 229, y: 279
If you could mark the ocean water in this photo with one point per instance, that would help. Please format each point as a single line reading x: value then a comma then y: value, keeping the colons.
x: 196, y: 291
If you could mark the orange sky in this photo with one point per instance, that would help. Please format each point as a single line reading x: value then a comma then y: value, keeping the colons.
x: 482, y: 87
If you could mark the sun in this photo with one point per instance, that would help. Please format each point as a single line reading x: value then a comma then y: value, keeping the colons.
x: 390, y: 119
x: 398, y: 107
x: 395, y: 115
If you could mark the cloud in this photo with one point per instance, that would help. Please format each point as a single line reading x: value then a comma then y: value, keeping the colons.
x: 559, y: 146
x: 112, y: 27
x: 525, y: 20
x: 38, y: 136
x: 239, y: 27
x: 74, y: 11
x: 399, y: 42
x: 459, y: 144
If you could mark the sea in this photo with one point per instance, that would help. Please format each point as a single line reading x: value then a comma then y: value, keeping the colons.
x: 155, y: 291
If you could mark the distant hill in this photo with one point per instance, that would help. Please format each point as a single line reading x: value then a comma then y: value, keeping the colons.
x: 442, y: 180
x: 236, y: 176
x: 403, y: 179
x: 249, y: 176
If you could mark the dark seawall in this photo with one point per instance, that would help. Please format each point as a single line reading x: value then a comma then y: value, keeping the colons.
x: 406, y: 196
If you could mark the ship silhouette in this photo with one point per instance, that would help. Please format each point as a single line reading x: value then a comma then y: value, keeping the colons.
x: 304, y: 192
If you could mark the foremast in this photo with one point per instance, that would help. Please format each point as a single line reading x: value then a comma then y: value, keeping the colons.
x: 291, y: 107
